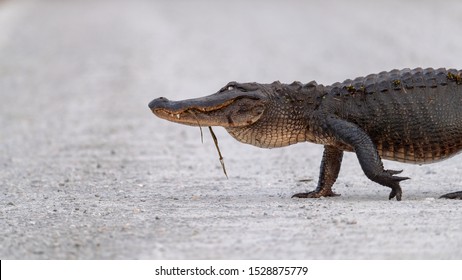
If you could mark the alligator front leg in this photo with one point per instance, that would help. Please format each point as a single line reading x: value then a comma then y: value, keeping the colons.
x: 366, y: 152
x: 330, y: 167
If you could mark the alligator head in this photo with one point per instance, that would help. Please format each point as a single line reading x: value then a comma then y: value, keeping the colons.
x: 232, y: 106
x: 264, y: 115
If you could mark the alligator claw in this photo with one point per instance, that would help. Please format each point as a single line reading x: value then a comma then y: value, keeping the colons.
x: 396, y: 192
x: 392, y: 182
x: 393, y: 172
x: 453, y: 195
x: 315, y: 194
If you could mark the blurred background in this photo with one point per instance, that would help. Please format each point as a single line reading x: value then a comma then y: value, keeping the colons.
x: 86, y: 171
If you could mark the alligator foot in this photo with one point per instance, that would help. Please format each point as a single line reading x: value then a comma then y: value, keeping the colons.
x: 396, y: 192
x: 392, y: 182
x: 315, y: 194
x: 453, y: 195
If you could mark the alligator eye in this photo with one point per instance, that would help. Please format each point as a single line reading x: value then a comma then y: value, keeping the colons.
x: 230, y: 88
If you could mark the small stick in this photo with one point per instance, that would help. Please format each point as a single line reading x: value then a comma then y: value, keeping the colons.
x: 200, y: 127
x: 219, y: 153
x: 202, y: 134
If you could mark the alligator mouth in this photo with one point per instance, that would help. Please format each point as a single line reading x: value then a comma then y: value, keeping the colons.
x: 190, y: 116
x: 176, y: 108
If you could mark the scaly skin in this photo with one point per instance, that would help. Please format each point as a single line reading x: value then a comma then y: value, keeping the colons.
x: 411, y: 116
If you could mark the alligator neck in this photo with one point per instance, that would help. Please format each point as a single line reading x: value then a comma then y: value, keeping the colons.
x: 287, y: 119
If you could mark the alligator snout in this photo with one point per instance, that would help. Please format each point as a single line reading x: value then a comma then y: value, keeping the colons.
x: 160, y: 102
x: 163, y: 104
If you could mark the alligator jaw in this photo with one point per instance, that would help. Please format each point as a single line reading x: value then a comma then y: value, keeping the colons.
x: 220, y: 109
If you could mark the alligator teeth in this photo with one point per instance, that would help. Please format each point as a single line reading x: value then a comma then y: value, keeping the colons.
x: 178, y: 116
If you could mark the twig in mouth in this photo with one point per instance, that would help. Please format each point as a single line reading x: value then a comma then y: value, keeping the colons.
x: 215, y: 140
x: 200, y: 127
x: 219, y: 153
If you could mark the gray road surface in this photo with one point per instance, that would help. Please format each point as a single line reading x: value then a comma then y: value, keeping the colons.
x: 87, y: 172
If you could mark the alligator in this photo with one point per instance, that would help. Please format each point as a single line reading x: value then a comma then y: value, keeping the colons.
x: 410, y: 116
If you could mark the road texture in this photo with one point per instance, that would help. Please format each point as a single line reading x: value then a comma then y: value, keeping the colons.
x: 87, y: 172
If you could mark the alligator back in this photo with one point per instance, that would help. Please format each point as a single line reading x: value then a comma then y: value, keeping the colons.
x: 412, y: 116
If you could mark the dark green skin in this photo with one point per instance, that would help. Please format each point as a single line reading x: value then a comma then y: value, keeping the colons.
x: 412, y: 116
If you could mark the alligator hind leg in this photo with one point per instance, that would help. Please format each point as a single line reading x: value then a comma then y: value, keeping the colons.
x: 453, y: 195
x: 330, y: 167
x: 367, y: 154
